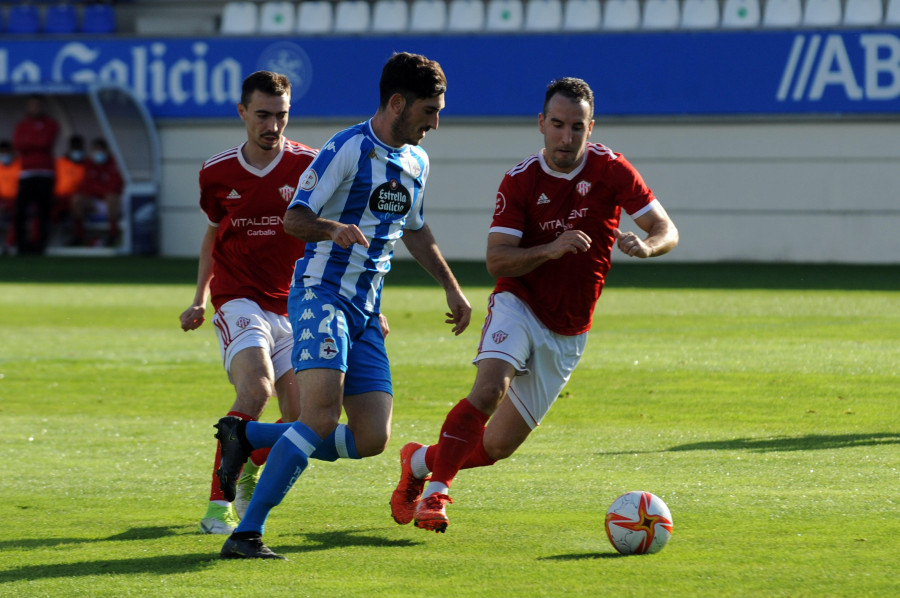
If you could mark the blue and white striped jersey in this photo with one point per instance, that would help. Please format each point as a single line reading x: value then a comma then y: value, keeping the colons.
x: 357, y: 179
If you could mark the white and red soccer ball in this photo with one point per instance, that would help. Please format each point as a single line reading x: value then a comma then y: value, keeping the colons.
x: 638, y: 523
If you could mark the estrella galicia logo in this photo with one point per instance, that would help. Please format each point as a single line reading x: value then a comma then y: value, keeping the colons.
x: 390, y: 201
x: 289, y: 59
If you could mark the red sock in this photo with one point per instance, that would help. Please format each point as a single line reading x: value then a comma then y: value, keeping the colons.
x: 460, y: 437
x: 259, y: 456
x: 479, y: 458
x: 215, y: 492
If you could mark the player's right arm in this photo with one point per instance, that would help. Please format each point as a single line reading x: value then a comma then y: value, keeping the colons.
x: 303, y: 223
x: 193, y: 317
x: 506, y: 258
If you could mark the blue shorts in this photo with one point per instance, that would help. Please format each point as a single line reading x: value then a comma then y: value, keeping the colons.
x: 332, y: 333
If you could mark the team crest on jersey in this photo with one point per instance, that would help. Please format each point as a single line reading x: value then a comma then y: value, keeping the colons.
x: 583, y: 187
x: 309, y: 180
x: 499, y: 336
x: 390, y: 201
x: 328, y: 350
x: 243, y: 322
x: 287, y: 192
x: 500, y: 206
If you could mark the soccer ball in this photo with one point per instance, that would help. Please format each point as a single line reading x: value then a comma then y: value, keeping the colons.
x: 638, y: 523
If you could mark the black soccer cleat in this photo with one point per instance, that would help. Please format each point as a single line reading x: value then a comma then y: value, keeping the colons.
x: 249, y: 548
x: 235, y: 452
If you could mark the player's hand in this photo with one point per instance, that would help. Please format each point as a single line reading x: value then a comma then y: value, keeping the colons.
x: 632, y: 245
x: 382, y: 321
x: 571, y: 241
x: 192, y: 317
x: 346, y: 235
x: 460, y: 313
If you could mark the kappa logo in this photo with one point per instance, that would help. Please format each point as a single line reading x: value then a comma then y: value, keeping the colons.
x: 583, y: 187
x: 309, y: 294
x: 327, y: 350
x: 543, y: 199
x: 499, y: 336
x: 305, y: 335
x: 307, y: 315
x: 233, y: 195
x: 330, y: 147
x: 243, y: 322
x: 305, y: 355
x: 287, y: 192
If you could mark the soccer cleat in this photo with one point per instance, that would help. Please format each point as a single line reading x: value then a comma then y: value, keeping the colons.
x: 249, y: 548
x: 218, y: 520
x: 246, y: 484
x: 409, y: 489
x: 431, y: 513
x: 235, y: 451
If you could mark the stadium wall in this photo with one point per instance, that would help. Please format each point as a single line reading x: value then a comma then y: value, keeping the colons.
x: 757, y: 190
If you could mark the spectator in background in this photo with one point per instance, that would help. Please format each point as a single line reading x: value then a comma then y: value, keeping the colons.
x: 70, y: 168
x: 99, y: 193
x: 33, y: 139
x: 10, y: 169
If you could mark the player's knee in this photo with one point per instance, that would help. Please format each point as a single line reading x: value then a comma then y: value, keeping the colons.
x: 372, y: 443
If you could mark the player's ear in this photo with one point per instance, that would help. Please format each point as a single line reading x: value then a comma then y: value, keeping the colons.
x: 590, y: 128
x: 541, y: 122
x: 397, y: 103
x: 241, y: 110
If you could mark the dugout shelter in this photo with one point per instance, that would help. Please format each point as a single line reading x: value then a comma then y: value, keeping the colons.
x: 113, y: 113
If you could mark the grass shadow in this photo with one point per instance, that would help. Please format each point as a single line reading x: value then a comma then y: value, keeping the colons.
x: 346, y: 539
x: 771, y: 444
x: 135, y: 533
x: 583, y: 556
x: 158, y: 565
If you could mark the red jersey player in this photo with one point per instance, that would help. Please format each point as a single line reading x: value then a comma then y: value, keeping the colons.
x: 100, y: 192
x: 245, y: 267
x: 549, y: 246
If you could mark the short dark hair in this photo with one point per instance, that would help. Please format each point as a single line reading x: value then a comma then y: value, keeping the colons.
x: 76, y: 142
x: 411, y: 75
x: 100, y: 142
x: 570, y: 87
x: 273, y: 84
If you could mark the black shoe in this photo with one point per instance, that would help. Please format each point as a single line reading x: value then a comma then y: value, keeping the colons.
x: 250, y: 548
x: 235, y: 451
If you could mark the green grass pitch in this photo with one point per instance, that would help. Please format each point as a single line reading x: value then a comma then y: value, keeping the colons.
x: 760, y: 402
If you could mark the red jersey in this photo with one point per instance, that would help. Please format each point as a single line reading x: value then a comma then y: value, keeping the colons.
x: 254, y: 257
x: 100, y: 180
x: 538, y: 204
x: 33, y: 139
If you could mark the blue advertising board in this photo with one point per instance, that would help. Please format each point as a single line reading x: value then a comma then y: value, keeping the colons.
x: 637, y: 74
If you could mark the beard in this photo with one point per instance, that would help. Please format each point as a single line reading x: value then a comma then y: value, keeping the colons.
x: 401, y: 129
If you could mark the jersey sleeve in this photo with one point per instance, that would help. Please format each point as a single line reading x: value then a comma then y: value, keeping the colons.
x: 337, y: 161
x: 416, y: 218
x: 209, y: 205
x: 509, y: 218
x: 633, y: 194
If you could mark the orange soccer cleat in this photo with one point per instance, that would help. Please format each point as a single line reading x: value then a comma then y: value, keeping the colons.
x: 409, y: 489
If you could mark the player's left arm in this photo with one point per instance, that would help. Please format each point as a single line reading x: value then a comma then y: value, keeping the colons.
x: 662, y: 236
x: 422, y: 246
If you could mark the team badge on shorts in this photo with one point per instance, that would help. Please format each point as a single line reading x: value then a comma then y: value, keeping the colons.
x: 499, y: 336
x: 242, y: 322
x: 327, y: 350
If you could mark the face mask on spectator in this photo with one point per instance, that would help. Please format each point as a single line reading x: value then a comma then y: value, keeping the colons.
x: 99, y: 157
x: 6, y: 159
x: 76, y: 155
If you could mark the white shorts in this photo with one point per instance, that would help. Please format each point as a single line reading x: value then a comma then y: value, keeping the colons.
x: 241, y: 323
x: 544, y: 360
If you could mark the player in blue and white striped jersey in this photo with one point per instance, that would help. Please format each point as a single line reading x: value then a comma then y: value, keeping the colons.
x: 362, y: 194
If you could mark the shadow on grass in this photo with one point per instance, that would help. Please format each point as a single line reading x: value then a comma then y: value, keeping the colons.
x: 135, y: 533
x: 345, y: 539
x: 160, y: 565
x: 584, y: 556
x: 808, y: 442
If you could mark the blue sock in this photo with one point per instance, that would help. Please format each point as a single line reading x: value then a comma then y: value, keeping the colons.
x: 340, y: 444
x: 286, y: 462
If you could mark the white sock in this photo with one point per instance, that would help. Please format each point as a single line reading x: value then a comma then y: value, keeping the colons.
x: 417, y: 463
x: 436, y: 488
